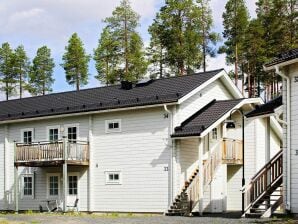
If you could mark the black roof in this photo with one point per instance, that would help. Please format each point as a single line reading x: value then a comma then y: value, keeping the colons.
x: 158, y: 91
x: 205, y: 117
x: 267, y: 108
x: 283, y: 57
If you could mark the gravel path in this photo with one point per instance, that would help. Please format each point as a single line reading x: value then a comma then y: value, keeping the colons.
x: 104, y: 219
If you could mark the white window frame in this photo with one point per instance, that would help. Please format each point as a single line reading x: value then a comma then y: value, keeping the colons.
x: 78, y: 183
x: 26, y: 130
x: 113, y: 182
x: 114, y: 130
x: 23, y: 185
x: 66, y: 126
x: 53, y: 127
x: 48, y: 185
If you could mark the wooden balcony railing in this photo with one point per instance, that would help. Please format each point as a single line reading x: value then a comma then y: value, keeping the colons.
x: 193, y: 192
x: 52, y: 151
x: 232, y: 151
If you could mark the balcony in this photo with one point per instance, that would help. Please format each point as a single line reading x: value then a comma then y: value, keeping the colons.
x: 38, y: 154
x: 232, y: 152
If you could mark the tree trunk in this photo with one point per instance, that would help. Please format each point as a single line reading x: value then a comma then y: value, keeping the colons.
x: 236, y: 64
x: 43, y: 88
x: 160, y: 63
x: 77, y: 82
x: 6, y: 91
x: 126, y: 46
x: 21, y: 87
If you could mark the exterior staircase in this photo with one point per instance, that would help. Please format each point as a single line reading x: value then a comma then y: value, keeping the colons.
x: 187, y: 199
x: 264, y: 193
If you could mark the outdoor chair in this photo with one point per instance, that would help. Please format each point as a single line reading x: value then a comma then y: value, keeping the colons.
x: 75, y: 206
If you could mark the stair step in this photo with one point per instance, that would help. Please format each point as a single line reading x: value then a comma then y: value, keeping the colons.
x: 253, y: 215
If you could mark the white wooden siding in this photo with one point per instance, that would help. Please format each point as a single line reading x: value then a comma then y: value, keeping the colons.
x: 141, y: 152
x: 294, y: 138
x: 215, y: 90
x: 2, y: 154
x: 189, y: 155
x: 234, y: 176
x: 40, y: 134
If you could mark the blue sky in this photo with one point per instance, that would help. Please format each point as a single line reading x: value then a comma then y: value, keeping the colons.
x: 35, y: 23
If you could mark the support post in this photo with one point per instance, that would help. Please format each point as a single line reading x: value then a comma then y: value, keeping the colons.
x: 267, y: 154
x: 65, y: 174
x: 201, y: 176
x: 91, y: 166
x: 243, y: 160
x: 16, y: 189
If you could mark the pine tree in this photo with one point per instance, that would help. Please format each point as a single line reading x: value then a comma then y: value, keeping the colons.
x: 106, y: 57
x: 208, y: 37
x: 41, y: 72
x: 21, y: 66
x: 75, y: 62
x: 235, y: 21
x: 156, y: 52
x: 7, y: 75
x: 180, y: 35
x: 123, y: 24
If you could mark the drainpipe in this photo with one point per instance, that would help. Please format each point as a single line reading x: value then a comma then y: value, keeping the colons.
x: 279, y: 72
x: 172, y: 153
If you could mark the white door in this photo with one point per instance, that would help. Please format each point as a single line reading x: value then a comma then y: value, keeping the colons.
x: 73, y: 189
x: 217, y: 189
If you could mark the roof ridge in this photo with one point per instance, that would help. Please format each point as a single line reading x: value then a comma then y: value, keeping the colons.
x: 101, y: 87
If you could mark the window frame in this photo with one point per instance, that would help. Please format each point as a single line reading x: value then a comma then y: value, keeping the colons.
x: 27, y: 130
x: 78, y: 185
x: 23, y: 186
x: 214, y: 132
x: 53, y: 127
x: 113, y: 182
x: 48, y: 185
x: 113, y: 130
x: 66, y: 126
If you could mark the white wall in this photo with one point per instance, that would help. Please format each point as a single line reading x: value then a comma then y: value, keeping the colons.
x: 141, y: 152
x: 293, y: 71
x: 40, y: 134
x: 188, y: 160
x: 234, y: 178
x: 2, y: 167
x: 215, y: 90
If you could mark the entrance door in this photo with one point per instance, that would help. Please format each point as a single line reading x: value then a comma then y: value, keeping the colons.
x: 73, y: 188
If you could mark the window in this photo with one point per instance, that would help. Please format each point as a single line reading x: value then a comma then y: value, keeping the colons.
x: 53, y: 185
x: 214, y: 133
x: 27, y: 136
x: 113, y: 177
x: 28, y: 185
x: 53, y: 134
x: 113, y: 126
x: 72, y: 185
x: 72, y: 134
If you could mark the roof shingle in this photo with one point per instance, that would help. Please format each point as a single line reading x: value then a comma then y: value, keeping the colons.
x: 102, y: 98
x: 205, y: 117
x: 283, y: 57
x: 267, y: 108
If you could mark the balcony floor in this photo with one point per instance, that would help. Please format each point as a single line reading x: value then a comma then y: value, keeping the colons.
x: 50, y: 163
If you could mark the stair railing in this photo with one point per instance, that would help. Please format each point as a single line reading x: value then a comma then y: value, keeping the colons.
x: 193, y: 192
x: 211, y: 164
x: 270, y: 173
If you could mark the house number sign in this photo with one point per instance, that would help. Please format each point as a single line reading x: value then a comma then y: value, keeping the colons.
x: 296, y: 79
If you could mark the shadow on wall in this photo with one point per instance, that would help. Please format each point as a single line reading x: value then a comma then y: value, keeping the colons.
x: 7, y: 202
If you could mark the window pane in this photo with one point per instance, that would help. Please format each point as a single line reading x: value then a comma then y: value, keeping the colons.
x: 111, y: 177
x: 116, y: 176
x: 116, y: 125
x: 111, y: 126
